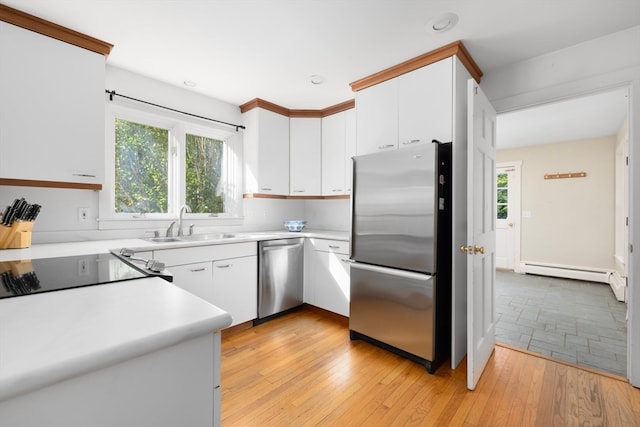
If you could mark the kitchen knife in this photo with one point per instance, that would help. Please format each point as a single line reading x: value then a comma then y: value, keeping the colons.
x: 22, y: 210
x: 6, y: 218
x: 5, y: 214
x: 34, y: 211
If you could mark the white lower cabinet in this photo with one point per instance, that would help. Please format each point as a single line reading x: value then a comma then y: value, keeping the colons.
x: 172, y: 386
x: 195, y: 278
x: 327, y: 281
x: 224, y: 275
x: 235, y: 287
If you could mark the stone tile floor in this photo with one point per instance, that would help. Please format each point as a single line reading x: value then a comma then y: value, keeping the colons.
x: 571, y: 320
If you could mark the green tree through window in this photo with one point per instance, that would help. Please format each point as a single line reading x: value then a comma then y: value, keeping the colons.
x: 204, y: 158
x: 141, y: 171
x: 502, y: 182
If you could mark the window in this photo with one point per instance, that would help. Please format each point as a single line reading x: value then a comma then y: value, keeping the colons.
x: 502, y: 182
x: 157, y: 163
x: 141, y: 173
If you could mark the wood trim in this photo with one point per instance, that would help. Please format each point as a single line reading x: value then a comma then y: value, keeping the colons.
x: 50, y: 29
x: 338, y: 108
x: 49, y: 184
x: 312, y: 114
x: 280, y: 196
x: 261, y: 103
x: 455, y: 48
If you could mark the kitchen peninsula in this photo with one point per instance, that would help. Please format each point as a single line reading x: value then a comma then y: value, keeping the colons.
x: 136, y: 352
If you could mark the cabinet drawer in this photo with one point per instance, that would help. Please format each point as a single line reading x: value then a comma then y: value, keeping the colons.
x: 188, y: 255
x: 337, y: 246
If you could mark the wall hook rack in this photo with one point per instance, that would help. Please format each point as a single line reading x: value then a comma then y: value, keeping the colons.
x: 565, y: 175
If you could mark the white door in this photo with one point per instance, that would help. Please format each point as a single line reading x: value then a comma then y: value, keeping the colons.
x: 508, y: 215
x: 481, y: 232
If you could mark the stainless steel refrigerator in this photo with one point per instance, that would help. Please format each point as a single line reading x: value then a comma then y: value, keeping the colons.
x: 401, y: 252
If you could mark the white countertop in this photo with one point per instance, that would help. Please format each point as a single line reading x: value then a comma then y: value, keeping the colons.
x: 46, y: 338
x: 50, y: 250
x: 49, y: 337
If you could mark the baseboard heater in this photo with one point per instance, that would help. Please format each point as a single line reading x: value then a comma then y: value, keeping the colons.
x: 568, y: 272
x: 609, y: 277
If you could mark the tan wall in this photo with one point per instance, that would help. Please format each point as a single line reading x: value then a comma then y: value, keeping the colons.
x: 571, y: 220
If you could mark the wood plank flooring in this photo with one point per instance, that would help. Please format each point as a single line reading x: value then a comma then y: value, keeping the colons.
x: 303, y: 370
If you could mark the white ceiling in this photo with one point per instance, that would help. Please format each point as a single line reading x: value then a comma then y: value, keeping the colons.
x: 237, y: 50
x: 592, y: 116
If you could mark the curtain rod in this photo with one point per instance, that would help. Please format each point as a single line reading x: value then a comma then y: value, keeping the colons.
x: 113, y: 93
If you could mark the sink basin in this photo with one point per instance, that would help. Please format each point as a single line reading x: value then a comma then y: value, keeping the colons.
x: 213, y: 236
x: 165, y: 239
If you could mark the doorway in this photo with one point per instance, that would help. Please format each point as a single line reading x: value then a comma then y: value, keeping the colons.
x: 568, y: 246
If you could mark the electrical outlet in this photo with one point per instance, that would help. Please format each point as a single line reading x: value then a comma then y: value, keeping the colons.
x: 83, y: 267
x: 83, y: 214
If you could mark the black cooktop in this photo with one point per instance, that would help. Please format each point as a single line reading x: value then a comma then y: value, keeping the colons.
x: 28, y: 277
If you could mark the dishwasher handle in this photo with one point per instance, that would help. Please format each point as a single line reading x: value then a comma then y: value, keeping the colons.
x: 281, y: 247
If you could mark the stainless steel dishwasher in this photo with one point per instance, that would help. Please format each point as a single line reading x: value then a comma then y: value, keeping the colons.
x: 280, y: 278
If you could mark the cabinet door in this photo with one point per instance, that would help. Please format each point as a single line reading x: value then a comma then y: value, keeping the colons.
x: 330, y: 275
x: 273, y: 143
x: 350, y: 147
x: 235, y: 287
x: 305, y: 142
x: 328, y: 278
x: 425, y: 104
x: 377, y: 117
x: 52, y: 109
x: 195, y: 278
x: 333, y: 154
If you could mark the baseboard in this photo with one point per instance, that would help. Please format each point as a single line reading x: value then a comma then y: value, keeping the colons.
x: 618, y: 286
x: 567, y: 272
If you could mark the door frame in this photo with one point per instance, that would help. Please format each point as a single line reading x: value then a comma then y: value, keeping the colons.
x: 515, y: 207
x: 571, y: 90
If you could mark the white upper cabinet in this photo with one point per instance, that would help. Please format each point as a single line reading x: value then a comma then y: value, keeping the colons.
x: 333, y: 154
x: 305, y: 142
x: 52, y: 123
x: 266, y: 152
x: 425, y: 99
x: 377, y: 117
x: 338, y: 146
x: 350, y: 146
x: 410, y: 109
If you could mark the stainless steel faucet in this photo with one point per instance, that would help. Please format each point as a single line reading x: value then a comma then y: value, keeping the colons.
x: 170, y: 229
x: 183, y: 209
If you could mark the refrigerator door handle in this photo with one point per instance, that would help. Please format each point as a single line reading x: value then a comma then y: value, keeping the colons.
x: 401, y: 273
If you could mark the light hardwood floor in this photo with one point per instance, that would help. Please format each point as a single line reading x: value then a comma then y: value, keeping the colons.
x: 302, y: 370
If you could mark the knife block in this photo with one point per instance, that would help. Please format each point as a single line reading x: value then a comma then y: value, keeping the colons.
x: 17, y: 236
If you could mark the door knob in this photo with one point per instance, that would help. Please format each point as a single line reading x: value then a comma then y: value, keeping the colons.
x: 466, y: 249
x: 510, y: 224
x: 472, y: 250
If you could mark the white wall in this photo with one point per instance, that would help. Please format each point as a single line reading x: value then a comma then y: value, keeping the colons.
x: 570, y: 221
x: 606, y: 62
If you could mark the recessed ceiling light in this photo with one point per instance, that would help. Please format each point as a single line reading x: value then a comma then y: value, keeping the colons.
x: 316, y: 79
x: 442, y: 23
x: 190, y: 83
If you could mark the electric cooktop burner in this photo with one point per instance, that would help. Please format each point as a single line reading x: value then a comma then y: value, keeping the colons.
x: 28, y: 277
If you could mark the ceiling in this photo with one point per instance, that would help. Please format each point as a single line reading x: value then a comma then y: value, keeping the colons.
x: 591, y: 116
x: 237, y: 50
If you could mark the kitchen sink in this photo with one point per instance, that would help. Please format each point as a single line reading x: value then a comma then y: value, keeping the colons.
x: 165, y: 239
x: 194, y: 238
x: 214, y: 236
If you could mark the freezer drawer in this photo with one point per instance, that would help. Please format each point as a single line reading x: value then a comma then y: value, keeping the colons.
x: 394, y: 307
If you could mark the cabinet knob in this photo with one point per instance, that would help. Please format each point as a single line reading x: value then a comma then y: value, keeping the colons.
x: 266, y: 189
x: 384, y: 147
x: 223, y: 266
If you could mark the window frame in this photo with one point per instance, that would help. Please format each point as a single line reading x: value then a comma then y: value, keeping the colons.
x: 178, y: 126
